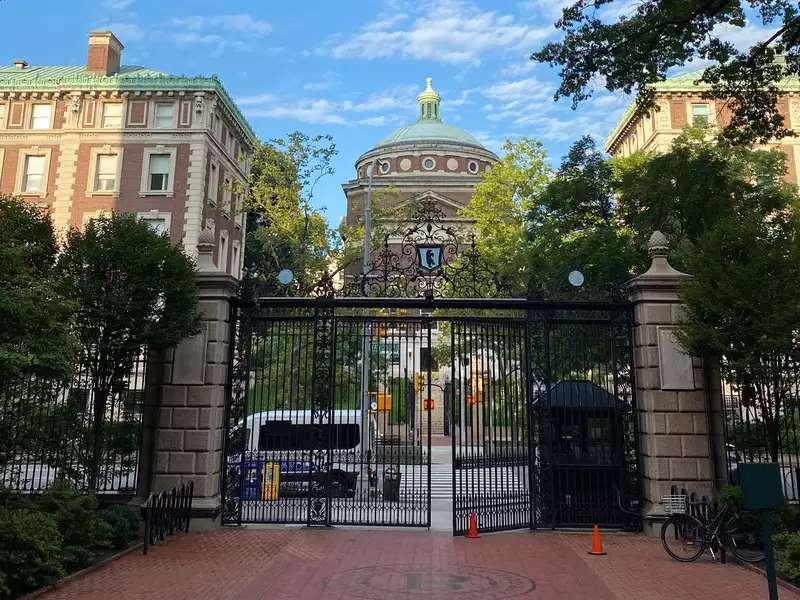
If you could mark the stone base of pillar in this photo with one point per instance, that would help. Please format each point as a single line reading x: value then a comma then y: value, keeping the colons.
x: 206, y: 513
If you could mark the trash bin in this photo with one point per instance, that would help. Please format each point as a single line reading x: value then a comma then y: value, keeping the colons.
x: 391, y: 484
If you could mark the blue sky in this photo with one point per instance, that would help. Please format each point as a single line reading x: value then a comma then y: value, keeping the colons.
x: 345, y: 67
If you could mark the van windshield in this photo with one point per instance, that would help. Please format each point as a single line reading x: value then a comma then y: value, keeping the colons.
x: 285, y: 435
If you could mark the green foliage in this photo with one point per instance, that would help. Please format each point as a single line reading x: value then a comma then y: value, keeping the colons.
x: 133, y: 289
x: 30, y: 548
x: 123, y: 525
x: 685, y: 191
x: 35, y: 337
x: 285, y: 231
x: 787, y: 556
x: 506, y: 194
x: 84, y: 532
x: 632, y: 48
x: 748, y: 265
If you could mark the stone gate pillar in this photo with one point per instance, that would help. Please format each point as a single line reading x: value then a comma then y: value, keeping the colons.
x: 187, y: 444
x: 674, y: 420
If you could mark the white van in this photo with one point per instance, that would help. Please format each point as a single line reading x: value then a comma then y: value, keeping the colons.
x: 289, y: 437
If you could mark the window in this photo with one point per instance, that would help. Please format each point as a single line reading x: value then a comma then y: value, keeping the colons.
x: 700, y: 115
x: 472, y: 167
x: 33, y: 178
x: 157, y: 223
x: 105, y: 177
x: 222, y: 258
x: 428, y: 164
x: 213, y: 184
x: 385, y: 166
x: 2, y: 115
x: 158, y: 173
x: 40, y: 116
x: 164, y: 115
x: 112, y: 114
x: 226, y: 196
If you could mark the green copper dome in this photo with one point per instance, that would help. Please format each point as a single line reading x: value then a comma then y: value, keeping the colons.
x: 429, y: 126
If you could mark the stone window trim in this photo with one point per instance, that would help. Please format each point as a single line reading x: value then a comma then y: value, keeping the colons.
x: 144, y: 186
x: 131, y: 104
x: 90, y: 180
x: 222, y: 252
x: 51, y: 116
x: 155, y: 214
x: 152, y: 114
x: 473, y: 167
x: 712, y: 112
x: 24, y: 153
x: 213, y: 179
x: 122, y: 111
x: 2, y: 157
x: 3, y: 114
x: 428, y: 163
x: 236, y: 259
x: 227, y: 197
x: 185, y: 110
x: 12, y: 112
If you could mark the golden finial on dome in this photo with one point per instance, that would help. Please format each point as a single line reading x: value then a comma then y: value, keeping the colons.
x: 428, y: 101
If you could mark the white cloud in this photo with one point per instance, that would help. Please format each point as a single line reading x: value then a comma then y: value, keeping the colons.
x: 116, y: 4
x: 126, y: 32
x: 449, y: 31
x: 240, y: 23
x: 394, y: 105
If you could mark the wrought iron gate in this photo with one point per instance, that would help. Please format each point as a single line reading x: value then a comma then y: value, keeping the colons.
x: 544, y: 418
x: 329, y: 427
x: 330, y: 398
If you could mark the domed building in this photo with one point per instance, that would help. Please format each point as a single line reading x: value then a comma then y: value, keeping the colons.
x: 428, y: 159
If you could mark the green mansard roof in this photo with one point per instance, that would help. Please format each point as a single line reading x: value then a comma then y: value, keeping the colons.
x: 129, y: 78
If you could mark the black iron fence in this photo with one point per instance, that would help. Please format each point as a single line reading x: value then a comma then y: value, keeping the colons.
x: 167, y: 513
x: 78, y: 432
x: 762, y: 423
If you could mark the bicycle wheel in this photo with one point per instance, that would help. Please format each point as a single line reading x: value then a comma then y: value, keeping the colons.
x: 683, y: 537
x: 743, y: 536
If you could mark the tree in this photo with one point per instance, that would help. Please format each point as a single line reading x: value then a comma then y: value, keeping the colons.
x: 573, y: 226
x: 37, y: 348
x: 502, y: 199
x: 134, y: 291
x: 35, y: 337
x: 285, y: 231
x: 742, y: 305
x: 685, y: 191
x: 631, y: 48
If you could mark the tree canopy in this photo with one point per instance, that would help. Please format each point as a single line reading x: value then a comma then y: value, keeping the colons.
x: 629, y: 46
x: 35, y: 336
x: 284, y: 229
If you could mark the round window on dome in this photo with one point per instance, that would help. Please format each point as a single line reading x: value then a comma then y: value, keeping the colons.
x: 384, y: 168
x: 472, y: 167
x: 428, y: 164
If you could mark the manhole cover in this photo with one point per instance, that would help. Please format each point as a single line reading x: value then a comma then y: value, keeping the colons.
x: 414, y: 581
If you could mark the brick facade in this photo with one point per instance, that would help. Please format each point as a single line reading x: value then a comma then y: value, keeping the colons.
x: 205, y: 126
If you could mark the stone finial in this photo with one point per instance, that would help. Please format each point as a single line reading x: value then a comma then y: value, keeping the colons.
x: 657, y: 245
x: 205, y: 247
x: 658, y: 250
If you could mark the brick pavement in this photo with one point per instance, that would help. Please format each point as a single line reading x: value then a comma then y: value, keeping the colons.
x: 298, y: 564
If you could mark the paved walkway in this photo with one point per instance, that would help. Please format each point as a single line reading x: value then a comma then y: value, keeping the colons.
x: 297, y: 564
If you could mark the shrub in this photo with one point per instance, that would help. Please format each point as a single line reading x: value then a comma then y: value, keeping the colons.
x: 30, y: 549
x: 123, y: 525
x: 84, y: 532
x: 787, y: 556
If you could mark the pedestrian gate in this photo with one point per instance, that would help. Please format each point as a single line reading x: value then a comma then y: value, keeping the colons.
x: 333, y: 400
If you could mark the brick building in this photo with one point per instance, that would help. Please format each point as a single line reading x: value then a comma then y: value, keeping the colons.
x: 85, y: 140
x: 680, y: 103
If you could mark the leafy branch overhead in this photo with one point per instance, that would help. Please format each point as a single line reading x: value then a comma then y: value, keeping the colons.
x: 630, y: 46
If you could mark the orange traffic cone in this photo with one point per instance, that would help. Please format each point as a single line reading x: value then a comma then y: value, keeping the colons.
x: 472, y: 530
x: 597, y: 544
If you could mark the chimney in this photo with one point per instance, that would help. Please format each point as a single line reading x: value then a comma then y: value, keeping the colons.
x: 104, y: 53
x: 20, y: 64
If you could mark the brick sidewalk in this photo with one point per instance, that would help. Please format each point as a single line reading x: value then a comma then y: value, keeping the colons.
x: 297, y: 564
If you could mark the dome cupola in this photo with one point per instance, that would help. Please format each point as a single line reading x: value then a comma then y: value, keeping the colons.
x: 429, y: 101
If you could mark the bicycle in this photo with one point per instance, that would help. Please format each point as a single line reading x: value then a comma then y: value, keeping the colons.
x: 686, y: 537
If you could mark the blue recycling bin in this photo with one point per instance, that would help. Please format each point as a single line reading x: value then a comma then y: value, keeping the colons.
x: 252, y: 479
